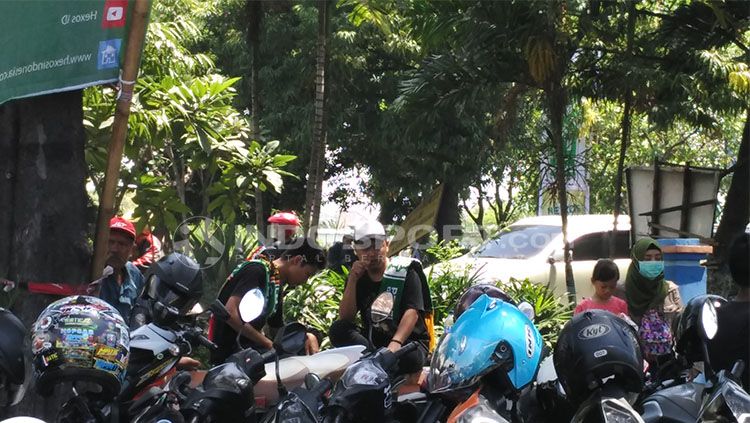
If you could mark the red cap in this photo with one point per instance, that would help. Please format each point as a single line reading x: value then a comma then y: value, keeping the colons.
x: 284, y: 218
x: 123, y: 225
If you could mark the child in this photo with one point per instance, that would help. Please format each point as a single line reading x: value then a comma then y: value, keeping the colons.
x: 604, y: 280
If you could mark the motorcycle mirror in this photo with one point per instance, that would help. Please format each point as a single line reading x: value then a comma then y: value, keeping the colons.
x: 709, y: 320
x: 197, y: 309
x: 290, y: 339
x: 382, y: 306
x: 448, y: 321
x: 218, y: 310
x: 527, y: 309
x: 251, y: 305
x: 107, y: 272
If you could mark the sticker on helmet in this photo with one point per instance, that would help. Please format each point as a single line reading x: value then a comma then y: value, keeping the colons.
x: 600, y: 353
x: 50, y: 358
x: 593, y: 331
x: 45, y: 323
x: 107, y: 353
x: 530, y: 346
x: 106, y: 366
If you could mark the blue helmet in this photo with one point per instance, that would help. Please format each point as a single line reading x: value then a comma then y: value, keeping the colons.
x: 490, y: 335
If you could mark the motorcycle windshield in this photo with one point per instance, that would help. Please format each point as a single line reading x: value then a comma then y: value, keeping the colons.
x: 365, y: 372
x: 617, y: 410
x: 483, y: 333
x: 227, y: 377
x: 729, y: 400
x: 481, y: 412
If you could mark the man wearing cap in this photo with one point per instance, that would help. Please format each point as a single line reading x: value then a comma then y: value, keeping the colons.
x: 123, y: 286
x: 372, y: 274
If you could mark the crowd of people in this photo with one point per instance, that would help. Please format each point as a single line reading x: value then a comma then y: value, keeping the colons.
x: 645, y: 298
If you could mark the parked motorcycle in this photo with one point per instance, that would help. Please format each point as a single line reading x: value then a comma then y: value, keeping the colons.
x: 480, y: 367
x: 599, y: 364
x: 722, y: 397
x: 156, y: 350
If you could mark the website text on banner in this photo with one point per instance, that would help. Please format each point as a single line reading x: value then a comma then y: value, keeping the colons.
x: 53, y: 46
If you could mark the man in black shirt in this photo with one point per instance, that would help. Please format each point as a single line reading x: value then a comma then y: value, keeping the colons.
x: 372, y: 274
x: 732, y: 341
x: 291, y: 264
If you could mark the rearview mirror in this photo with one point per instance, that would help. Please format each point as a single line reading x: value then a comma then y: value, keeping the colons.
x: 251, y: 305
x: 197, y: 309
x: 709, y: 320
x: 290, y: 339
x: 382, y: 307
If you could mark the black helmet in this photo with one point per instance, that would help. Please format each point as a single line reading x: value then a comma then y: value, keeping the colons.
x: 82, y: 339
x: 475, y: 291
x: 595, y: 345
x: 694, y: 319
x: 174, y: 281
x: 12, y: 359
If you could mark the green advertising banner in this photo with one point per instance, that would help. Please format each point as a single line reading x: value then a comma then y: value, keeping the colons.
x: 50, y: 46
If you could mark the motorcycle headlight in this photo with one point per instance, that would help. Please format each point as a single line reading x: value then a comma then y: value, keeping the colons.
x: 364, y: 373
x: 481, y: 413
x: 294, y: 410
x: 619, y: 411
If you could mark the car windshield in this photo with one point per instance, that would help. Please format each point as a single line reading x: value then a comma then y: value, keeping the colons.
x: 518, y: 242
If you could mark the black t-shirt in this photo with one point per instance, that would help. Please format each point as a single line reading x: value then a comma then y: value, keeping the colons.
x: 253, y: 275
x: 412, y: 297
x: 732, y: 341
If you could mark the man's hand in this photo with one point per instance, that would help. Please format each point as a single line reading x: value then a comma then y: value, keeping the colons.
x: 116, y: 262
x: 394, y: 346
x: 358, y: 270
x: 311, y: 344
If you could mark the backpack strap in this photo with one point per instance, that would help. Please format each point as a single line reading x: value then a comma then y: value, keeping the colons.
x: 394, y: 280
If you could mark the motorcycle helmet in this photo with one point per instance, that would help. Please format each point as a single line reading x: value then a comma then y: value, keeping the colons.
x: 475, y: 291
x: 12, y: 360
x: 493, y: 342
x: 698, y: 318
x: 80, y: 339
x: 595, y: 345
x: 174, y: 281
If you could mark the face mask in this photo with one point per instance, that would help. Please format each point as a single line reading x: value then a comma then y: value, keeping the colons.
x: 651, y: 269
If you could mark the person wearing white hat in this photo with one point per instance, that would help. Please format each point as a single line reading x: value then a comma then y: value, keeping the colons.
x: 372, y: 274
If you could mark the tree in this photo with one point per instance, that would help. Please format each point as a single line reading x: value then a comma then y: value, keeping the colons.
x: 43, y: 226
x: 316, y: 169
x: 255, y: 13
x: 192, y: 151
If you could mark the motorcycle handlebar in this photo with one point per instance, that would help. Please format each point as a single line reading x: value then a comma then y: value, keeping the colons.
x: 207, y: 343
x: 268, y: 356
x: 322, y: 387
x: 406, y: 349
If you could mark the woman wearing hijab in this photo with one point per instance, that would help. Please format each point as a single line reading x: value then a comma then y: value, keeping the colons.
x: 653, y: 302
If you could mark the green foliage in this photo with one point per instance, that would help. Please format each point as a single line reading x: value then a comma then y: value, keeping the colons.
x: 316, y: 303
x: 188, y: 151
x: 217, y: 247
x: 552, y: 312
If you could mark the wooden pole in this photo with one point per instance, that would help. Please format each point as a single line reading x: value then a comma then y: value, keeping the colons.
x: 136, y: 36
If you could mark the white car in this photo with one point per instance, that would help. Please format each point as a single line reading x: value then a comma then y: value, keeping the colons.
x: 533, y: 248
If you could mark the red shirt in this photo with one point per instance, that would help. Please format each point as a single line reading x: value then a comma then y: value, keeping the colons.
x: 613, y: 305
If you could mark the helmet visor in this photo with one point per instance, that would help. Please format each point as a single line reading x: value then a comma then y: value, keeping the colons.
x: 164, y: 293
